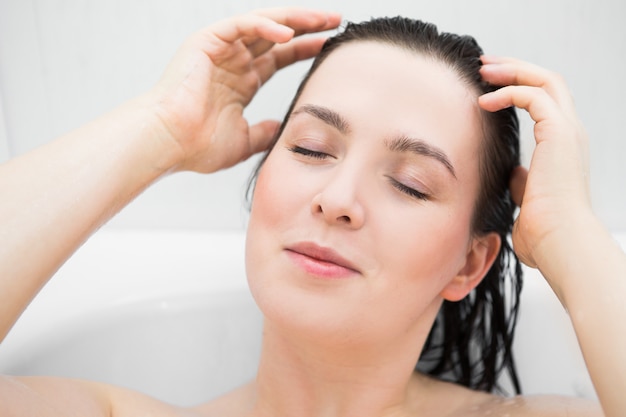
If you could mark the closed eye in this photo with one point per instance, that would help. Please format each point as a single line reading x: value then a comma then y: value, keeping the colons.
x: 411, y: 192
x: 308, y: 152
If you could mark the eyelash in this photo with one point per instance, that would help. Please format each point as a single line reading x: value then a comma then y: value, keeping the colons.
x: 408, y: 190
x: 398, y: 185
x: 308, y: 152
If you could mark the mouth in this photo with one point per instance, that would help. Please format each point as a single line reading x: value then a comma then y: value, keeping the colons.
x: 321, y: 261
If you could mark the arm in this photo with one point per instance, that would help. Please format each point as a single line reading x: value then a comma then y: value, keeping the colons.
x: 48, y: 397
x: 55, y: 197
x: 556, y: 230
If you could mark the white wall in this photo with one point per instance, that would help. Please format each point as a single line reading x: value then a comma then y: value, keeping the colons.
x: 4, y: 139
x: 63, y: 62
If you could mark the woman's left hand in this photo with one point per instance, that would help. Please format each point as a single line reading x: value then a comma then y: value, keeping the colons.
x: 556, y: 230
x: 555, y: 191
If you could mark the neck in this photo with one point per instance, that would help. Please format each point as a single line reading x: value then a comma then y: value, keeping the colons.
x: 300, y: 376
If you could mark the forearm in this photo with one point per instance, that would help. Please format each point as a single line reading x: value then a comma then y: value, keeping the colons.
x: 55, y: 197
x: 587, y: 269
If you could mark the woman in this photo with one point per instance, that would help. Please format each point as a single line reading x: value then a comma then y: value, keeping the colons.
x: 358, y: 180
x: 471, y: 342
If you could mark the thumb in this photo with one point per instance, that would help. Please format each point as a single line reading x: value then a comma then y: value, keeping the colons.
x: 517, y: 184
x: 262, y: 135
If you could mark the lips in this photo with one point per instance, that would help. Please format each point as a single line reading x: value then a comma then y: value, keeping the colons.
x: 321, y: 261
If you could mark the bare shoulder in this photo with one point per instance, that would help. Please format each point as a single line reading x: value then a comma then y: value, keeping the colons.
x: 453, y: 400
x: 537, y: 405
x: 51, y: 396
x: 234, y: 403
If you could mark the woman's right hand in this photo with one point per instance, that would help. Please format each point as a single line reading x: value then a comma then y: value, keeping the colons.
x: 191, y: 120
x: 200, y: 99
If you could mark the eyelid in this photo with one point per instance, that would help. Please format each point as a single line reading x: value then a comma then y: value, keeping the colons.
x: 311, y: 143
x: 408, y: 190
x: 310, y: 153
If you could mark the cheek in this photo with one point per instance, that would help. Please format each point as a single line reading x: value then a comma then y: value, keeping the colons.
x: 416, y: 256
x: 266, y: 204
x: 271, y: 195
x: 261, y: 201
x: 276, y: 211
x: 262, y: 217
x: 429, y: 249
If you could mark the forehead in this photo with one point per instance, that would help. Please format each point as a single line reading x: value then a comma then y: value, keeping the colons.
x: 389, y: 90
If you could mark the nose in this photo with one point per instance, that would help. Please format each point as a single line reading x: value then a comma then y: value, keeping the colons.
x: 338, y: 203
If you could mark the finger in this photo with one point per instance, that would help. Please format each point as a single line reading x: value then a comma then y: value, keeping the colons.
x: 517, y: 184
x: 284, y: 55
x: 519, y: 246
x: 510, y: 71
x: 310, y: 23
x: 302, y: 20
x: 262, y: 135
x: 539, y: 104
x: 258, y: 47
x: 261, y: 46
x: 251, y: 26
x: 298, y: 51
x: 275, y: 25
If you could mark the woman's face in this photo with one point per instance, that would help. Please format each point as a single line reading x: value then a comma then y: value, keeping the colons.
x: 360, y: 222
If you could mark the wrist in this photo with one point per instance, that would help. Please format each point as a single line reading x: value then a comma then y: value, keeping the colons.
x: 163, y: 153
x: 565, y: 254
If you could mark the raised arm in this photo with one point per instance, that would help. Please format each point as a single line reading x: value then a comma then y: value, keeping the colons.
x: 556, y: 230
x: 55, y: 197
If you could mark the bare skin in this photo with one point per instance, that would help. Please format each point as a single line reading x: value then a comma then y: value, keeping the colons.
x: 192, y: 120
x: 556, y: 224
x: 430, y: 397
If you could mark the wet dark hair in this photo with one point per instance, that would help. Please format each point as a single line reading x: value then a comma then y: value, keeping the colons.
x: 471, y: 340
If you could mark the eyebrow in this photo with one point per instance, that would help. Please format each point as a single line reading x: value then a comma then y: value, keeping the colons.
x: 420, y: 147
x: 326, y: 115
x: 397, y: 144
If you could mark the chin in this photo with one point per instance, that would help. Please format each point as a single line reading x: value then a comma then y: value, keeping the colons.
x: 316, y: 316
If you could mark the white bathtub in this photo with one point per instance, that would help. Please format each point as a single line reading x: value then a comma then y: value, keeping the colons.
x: 169, y: 314
x: 166, y: 313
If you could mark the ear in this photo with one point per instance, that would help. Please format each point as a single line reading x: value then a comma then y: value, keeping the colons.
x: 482, y: 252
